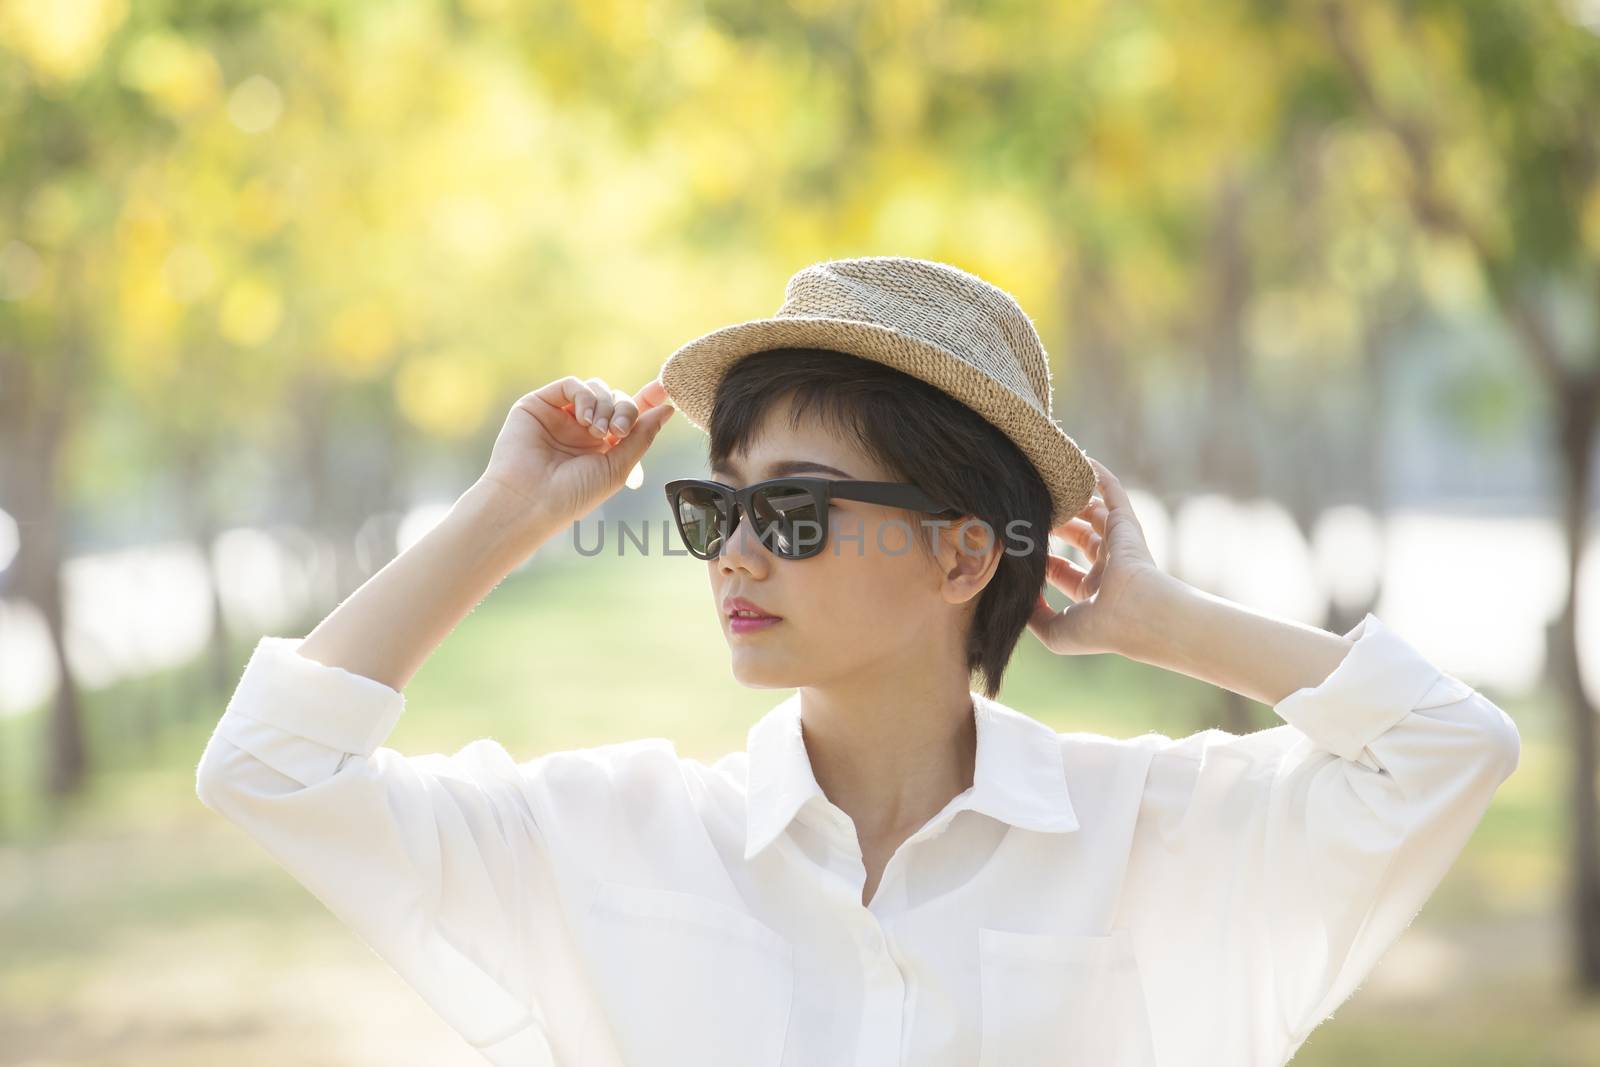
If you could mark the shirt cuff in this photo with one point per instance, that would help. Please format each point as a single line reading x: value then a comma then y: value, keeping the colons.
x: 1380, y: 681
x: 330, y: 706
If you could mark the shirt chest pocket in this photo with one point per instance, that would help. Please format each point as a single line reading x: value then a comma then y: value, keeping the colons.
x: 689, y: 980
x: 1062, y: 999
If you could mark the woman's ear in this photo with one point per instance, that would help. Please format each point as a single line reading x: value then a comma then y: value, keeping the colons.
x: 967, y: 551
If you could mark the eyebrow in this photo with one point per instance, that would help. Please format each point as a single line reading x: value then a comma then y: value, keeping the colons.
x: 786, y: 466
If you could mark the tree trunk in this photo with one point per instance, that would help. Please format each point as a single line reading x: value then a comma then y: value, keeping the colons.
x: 1098, y: 397
x: 33, y: 427
x: 1228, y: 460
x: 1576, y: 414
x: 201, y: 518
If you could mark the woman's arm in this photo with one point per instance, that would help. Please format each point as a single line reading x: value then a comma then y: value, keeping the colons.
x: 552, y: 462
x: 1292, y: 858
x: 453, y: 868
x: 388, y: 628
x: 1188, y: 630
x: 1286, y: 861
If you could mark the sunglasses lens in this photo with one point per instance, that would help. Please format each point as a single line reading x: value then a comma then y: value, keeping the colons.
x: 789, y: 519
x: 702, y: 520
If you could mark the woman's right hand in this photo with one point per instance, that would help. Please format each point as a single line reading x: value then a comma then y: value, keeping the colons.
x: 569, y: 445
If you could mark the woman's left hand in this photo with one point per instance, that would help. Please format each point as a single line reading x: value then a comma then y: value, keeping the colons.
x: 1113, y: 598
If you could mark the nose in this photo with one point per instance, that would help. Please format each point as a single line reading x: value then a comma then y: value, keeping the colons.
x: 743, y: 549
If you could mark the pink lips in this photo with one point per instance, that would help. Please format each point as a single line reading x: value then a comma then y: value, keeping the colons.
x: 744, y: 624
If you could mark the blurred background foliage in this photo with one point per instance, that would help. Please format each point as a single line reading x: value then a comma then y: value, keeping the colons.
x: 1320, y: 278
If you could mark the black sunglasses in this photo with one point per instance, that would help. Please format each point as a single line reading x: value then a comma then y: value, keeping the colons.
x: 790, y: 515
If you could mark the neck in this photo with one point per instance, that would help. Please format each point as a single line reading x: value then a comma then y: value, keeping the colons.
x: 890, y: 755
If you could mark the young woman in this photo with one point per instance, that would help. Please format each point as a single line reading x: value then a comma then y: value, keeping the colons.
x: 898, y: 869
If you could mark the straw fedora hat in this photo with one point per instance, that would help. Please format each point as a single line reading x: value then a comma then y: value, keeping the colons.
x: 931, y: 320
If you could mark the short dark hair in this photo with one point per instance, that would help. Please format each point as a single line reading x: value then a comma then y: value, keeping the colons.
x: 921, y: 435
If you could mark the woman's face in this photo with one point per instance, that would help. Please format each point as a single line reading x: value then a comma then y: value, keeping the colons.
x: 870, y: 602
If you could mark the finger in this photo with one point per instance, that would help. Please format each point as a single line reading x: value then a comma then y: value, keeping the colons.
x: 624, y: 413
x: 602, y: 406
x: 627, y: 451
x: 1059, y: 631
x: 562, y: 393
x: 1043, y: 615
x: 651, y: 394
x: 1065, y: 575
x: 1079, y: 534
x: 1094, y: 513
x: 583, y: 405
x: 1111, y: 487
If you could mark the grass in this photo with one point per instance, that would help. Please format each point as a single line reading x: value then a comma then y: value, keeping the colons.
x: 140, y: 929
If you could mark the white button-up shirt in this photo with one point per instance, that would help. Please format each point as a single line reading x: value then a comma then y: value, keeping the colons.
x: 1202, y: 901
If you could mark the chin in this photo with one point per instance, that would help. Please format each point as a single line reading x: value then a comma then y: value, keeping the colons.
x: 763, y: 672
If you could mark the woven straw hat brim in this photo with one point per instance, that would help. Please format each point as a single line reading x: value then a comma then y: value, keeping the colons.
x: 692, y: 373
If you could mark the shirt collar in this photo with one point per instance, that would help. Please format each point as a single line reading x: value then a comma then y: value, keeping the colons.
x: 1018, y: 776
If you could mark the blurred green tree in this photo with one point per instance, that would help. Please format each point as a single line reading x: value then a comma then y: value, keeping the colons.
x: 1490, y: 110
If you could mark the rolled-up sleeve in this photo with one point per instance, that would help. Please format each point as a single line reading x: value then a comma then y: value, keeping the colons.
x: 1316, y: 843
x: 430, y: 859
x: 1400, y: 764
